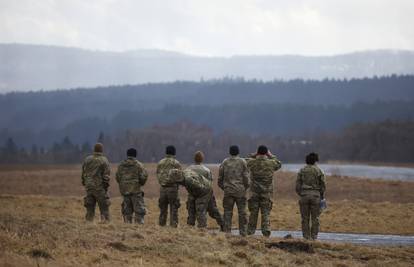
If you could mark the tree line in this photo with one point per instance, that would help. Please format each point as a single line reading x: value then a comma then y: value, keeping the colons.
x: 284, y: 120
x: 386, y: 141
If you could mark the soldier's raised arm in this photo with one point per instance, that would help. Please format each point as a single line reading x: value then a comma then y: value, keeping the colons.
x: 277, y: 164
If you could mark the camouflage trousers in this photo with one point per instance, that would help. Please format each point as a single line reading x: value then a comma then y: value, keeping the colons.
x: 264, y: 205
x: 212, y: 210
x: 197, y: 209
x: 101, y: 197
x: 133, y: 204
x: 310, y: 211
x: 228, y: 204
x: 169, y: 198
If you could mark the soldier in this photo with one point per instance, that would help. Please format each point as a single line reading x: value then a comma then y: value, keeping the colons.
x: 131, y: 175
x: 95, y: 179
x: 198, y: 187
x: 234, y: 180
x: 168, y: 191
x: 310, y: 186
x: 212, y: 209
x: 262, y: 165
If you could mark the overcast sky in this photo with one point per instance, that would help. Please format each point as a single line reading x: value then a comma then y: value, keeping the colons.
x: 212, y: 27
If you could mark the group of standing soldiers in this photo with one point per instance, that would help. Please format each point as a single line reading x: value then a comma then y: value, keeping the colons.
x: 238, y: 178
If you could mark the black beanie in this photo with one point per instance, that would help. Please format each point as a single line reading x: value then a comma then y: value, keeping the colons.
x: 132, y: 152
x: 311, y: 158
x: 262, y: 150
x: 170, y: 150
x: 234, y: 150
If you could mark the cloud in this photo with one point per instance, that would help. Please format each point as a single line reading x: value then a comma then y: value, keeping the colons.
x: 215, y: 27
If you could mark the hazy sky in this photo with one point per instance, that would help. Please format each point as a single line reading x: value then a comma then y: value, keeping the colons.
x: 212, y: 27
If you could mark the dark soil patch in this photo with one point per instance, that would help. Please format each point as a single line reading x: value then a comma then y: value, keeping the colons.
x: 292, y: 246
x: 40, y: 253
x: 239, y: 242
x: 119, y: 246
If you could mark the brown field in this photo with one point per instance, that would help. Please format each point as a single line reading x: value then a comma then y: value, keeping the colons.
x: 41, y: 224
x: 64, y: 180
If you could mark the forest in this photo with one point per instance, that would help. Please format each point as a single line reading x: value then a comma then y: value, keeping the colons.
x: 292, y: 117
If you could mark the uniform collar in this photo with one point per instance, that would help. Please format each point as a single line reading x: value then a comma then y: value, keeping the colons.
x: 131, y: 158
x: 97, y: 153
x: 261, y: 156
x: 170, y: 156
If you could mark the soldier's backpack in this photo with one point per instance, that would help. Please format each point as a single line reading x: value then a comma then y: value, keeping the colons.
x: 196, y: 184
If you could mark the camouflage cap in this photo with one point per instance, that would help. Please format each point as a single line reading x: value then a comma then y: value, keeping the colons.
x: 176, y: 175
x: 98, y: 148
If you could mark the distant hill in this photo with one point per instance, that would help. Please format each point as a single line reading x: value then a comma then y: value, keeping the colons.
x: 34, y: 67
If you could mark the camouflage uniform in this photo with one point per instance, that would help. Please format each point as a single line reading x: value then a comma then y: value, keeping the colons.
x: 310, y: 186
x: 211, y: 205
x: 261, y: 170
x: 131, y: 175
x: 95, y: 179
x: 234, y: 180
x: 168, y: 191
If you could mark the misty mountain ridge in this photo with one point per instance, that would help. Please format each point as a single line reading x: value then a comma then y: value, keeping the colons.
x: 34, y: 67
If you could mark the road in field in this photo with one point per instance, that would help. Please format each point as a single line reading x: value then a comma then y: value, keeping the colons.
x: 358, y: 170
x: 362, y: 239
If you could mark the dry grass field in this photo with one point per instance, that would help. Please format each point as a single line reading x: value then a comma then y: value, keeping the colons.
x: 41, y: 224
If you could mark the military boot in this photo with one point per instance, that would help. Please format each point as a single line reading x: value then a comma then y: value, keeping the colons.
x: 266, y: 233
x: 90, y: 214
x: 105, y: 216
x: 128, y: 218
x: 222, y: 227
x: 139, y: 220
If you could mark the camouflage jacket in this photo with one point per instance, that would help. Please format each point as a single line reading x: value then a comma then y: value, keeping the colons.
x: 310, y: 181
x: 234, y: 176
x: 202, y: 170
x: 196, y: 184
x: 164, y: 166
x: 261, y: 169
x: 95, y: 172
x: 131, y: 175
